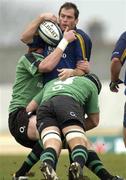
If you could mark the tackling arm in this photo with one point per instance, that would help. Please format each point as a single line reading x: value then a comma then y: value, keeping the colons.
x: 91, y: 121
x: 82, y: 68
x: 32, y: 106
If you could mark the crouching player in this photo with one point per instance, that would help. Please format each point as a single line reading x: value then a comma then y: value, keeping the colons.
x: 61, y: 112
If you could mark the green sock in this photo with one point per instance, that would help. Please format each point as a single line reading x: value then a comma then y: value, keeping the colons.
x: 79, y: 154
x: 50, y: 157
x: 96, y: 166
x: 31, y: 159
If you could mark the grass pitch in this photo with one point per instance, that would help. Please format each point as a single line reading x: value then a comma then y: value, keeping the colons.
x: 116, y: 164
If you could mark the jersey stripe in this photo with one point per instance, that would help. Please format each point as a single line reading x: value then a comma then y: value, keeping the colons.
x: 32, y: 59
x: 82, y: 44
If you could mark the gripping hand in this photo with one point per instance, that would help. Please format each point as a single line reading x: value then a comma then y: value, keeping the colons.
x: 114, y: 86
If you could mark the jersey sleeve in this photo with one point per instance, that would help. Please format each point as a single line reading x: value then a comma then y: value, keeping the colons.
x: 120, y: 49
x: 92, y: 103
x: 31, y: 62
x: 83, y: 46
x: 38, y: 97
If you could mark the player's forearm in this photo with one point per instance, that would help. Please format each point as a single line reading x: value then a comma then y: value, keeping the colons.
x: 32, y: 106
x: 88, y: 126
x: 50, y: 62
x: 78, y: 72
x: 91, y: 121
x: 27, y: 35
x: 83, y: 65
x: 115, y: 69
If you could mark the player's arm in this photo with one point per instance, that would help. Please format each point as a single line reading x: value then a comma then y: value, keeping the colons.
x: 91, y: 121
x: 50, y: 62
x: 82, y: 68
x: 115, y: 69
x: 91, y: 108
x: 83, y: 65
x: 32, y: 106
x: 116, y: 66
x: 35, y: 102
x: 65, y: 73
x: 117, y: 60
x: 27, y: 35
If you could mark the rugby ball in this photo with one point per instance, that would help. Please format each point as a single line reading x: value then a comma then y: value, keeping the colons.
x: 50, y: 32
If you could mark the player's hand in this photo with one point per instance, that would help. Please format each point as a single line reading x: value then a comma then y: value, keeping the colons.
x: 64, y: 73
x: 84, y: 66
x: 69, y: 35
x: 114, y: 86
x: 48, y: 16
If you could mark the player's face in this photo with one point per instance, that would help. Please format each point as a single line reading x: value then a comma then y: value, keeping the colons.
x: 67, y: 19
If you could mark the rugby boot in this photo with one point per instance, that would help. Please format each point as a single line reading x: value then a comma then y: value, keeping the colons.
x: 19, y: 178
x: 76, y: 171
x: 117, y: 178
x: 48, y: 172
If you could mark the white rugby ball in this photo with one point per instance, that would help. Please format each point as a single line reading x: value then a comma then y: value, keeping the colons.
x: 50, y: 32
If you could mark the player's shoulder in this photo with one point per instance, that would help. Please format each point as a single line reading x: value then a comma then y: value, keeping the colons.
x: 30, y: 57
x: 83, y: 34
x: 22, y: 59
x: 123, y: 35
x: 122, y: 40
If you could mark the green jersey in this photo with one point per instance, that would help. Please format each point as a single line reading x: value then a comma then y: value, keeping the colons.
x: 28, y: 81
x: 79, y: 88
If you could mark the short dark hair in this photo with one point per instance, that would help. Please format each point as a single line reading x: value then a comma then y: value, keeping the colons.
x: 95, y: 80
x: 69, y: 5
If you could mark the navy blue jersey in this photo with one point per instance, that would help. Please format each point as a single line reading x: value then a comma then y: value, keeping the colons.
x: 75, y: 51
x: 120, y: 51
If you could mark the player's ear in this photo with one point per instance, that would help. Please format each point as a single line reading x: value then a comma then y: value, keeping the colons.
x: 76, y: 21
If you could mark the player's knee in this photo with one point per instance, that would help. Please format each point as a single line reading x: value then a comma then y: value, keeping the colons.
x: 90, y: 146
x: 50, y: 136
x: 77, y: 134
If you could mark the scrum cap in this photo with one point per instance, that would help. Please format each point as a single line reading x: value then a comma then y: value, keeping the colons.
x: 95, y: 80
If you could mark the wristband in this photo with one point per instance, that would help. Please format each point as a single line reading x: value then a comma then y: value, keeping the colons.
x: 63, y: 44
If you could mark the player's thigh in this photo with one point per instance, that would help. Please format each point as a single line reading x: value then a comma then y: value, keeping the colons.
x: 32, y: 131
x: 18, y: 126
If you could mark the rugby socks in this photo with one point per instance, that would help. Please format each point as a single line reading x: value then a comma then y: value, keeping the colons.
x: 95, y: 165
x: 79, y: 154
x: 32, y: 159
x: 50, y: 157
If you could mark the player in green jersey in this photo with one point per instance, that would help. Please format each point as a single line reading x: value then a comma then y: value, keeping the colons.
x: 62, y: 111
x: 62, y: 106
x: 27, y: 84
x: 22, y: 124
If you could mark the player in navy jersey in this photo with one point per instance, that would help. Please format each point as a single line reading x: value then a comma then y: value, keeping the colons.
x: 76, y: 51
x: 118, y: 59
